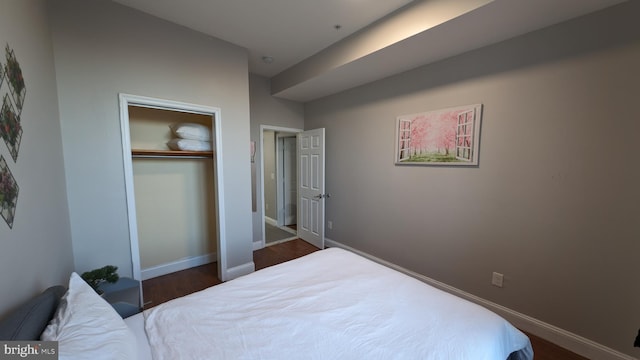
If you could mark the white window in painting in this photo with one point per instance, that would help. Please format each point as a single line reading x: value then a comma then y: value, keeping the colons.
x: 404, y: 139
x: 464, y: 135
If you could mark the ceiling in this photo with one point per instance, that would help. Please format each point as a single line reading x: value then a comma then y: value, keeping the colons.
x: 287, y: 30
x: 320, y: 47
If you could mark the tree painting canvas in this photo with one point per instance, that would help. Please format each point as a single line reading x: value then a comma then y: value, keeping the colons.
x: 442, y: 137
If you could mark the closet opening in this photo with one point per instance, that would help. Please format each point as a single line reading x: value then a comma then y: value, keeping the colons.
x: 172, y: 167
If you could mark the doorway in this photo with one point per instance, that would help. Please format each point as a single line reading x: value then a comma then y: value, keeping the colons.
x: 278, y: 184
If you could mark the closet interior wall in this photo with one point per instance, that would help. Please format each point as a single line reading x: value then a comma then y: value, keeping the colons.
x: 174, y: 196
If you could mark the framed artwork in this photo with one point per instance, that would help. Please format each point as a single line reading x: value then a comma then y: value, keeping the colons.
x: 448, y: 137
x: 10, y: 128
x: 1, y: 74
x: 13, y: 74
x: 8, y: 193
x: 12, y: 94
x: 11, y: 79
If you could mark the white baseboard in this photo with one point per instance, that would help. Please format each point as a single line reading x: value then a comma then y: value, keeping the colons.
x: 270, y: 221
x: 240, y: 270
x: 568, y: 340
x: 174, y: 266
x: 280, y: 241
x: 289, y: 230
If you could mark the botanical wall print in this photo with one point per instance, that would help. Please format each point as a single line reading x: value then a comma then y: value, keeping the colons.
x: 12, y: 102
x: 12, y: 90
x: 13, y: 73
x: 10, y: 128
x: 441, y: 137
x: 1, y: 74
x: 8, y: 193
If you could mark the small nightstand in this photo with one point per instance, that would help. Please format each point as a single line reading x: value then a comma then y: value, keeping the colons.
x: 123, y: 295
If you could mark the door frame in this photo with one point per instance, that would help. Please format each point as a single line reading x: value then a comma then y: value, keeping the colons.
x: 261, y: 147
x: 126, y: 100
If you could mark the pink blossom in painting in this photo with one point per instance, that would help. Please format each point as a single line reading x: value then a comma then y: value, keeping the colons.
x: 442, y: 136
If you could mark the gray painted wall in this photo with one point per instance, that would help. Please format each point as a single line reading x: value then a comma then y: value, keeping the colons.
x: 36, y: 253
x: 554, y: 202
x: 102, y: 49
x: 268, y: 110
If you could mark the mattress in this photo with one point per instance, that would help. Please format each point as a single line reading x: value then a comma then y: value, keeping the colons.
x: 331, y: 304
x: 136, y: 325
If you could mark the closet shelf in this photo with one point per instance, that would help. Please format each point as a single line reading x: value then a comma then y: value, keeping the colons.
x: 140, y: 153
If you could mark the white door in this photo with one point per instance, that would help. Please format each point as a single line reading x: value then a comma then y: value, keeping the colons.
x: 290, y: 188
x: 311, y: 195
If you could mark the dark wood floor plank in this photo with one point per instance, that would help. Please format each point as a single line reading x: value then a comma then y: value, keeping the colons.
x: 167, y: 287
x: 171, y: 286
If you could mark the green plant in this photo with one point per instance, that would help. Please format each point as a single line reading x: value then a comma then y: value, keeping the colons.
x: 104, y: 274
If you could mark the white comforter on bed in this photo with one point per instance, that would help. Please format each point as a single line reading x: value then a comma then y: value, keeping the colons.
x: 331, y: 304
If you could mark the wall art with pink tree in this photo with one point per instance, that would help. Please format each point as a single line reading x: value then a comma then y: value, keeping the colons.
x: 448, y: 136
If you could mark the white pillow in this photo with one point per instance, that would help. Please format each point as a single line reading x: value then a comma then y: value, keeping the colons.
x: 191, y: 131
x: 87, y: 327
x: 189, y: 145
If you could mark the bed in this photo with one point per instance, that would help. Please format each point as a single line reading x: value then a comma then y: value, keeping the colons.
x: 331, y: 304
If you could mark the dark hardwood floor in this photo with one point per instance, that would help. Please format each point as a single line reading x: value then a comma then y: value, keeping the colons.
x: 171, y: 286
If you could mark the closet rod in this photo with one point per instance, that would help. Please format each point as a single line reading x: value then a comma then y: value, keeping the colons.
x: 167, y: 154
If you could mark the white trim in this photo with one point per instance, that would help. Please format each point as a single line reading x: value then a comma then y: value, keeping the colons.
x: 289, y: 230
x: 129, y: 186
x: 568, y: 340
x: 178, y: 265
x: 280, y: 241
x: 240, y: 270
x: 271, y: 221
x: 257, y: 245
x: 261, y: 147
x: 126, y: 100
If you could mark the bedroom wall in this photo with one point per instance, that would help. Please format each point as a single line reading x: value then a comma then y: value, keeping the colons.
x: 268, y: 110
x: 101, y: 49
x: 175, y: 205
x: 36, y: 252
x: 553, y: 204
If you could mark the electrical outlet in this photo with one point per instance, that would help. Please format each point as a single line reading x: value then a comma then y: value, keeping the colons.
x: 330, y: 224
x: 497, y: 279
